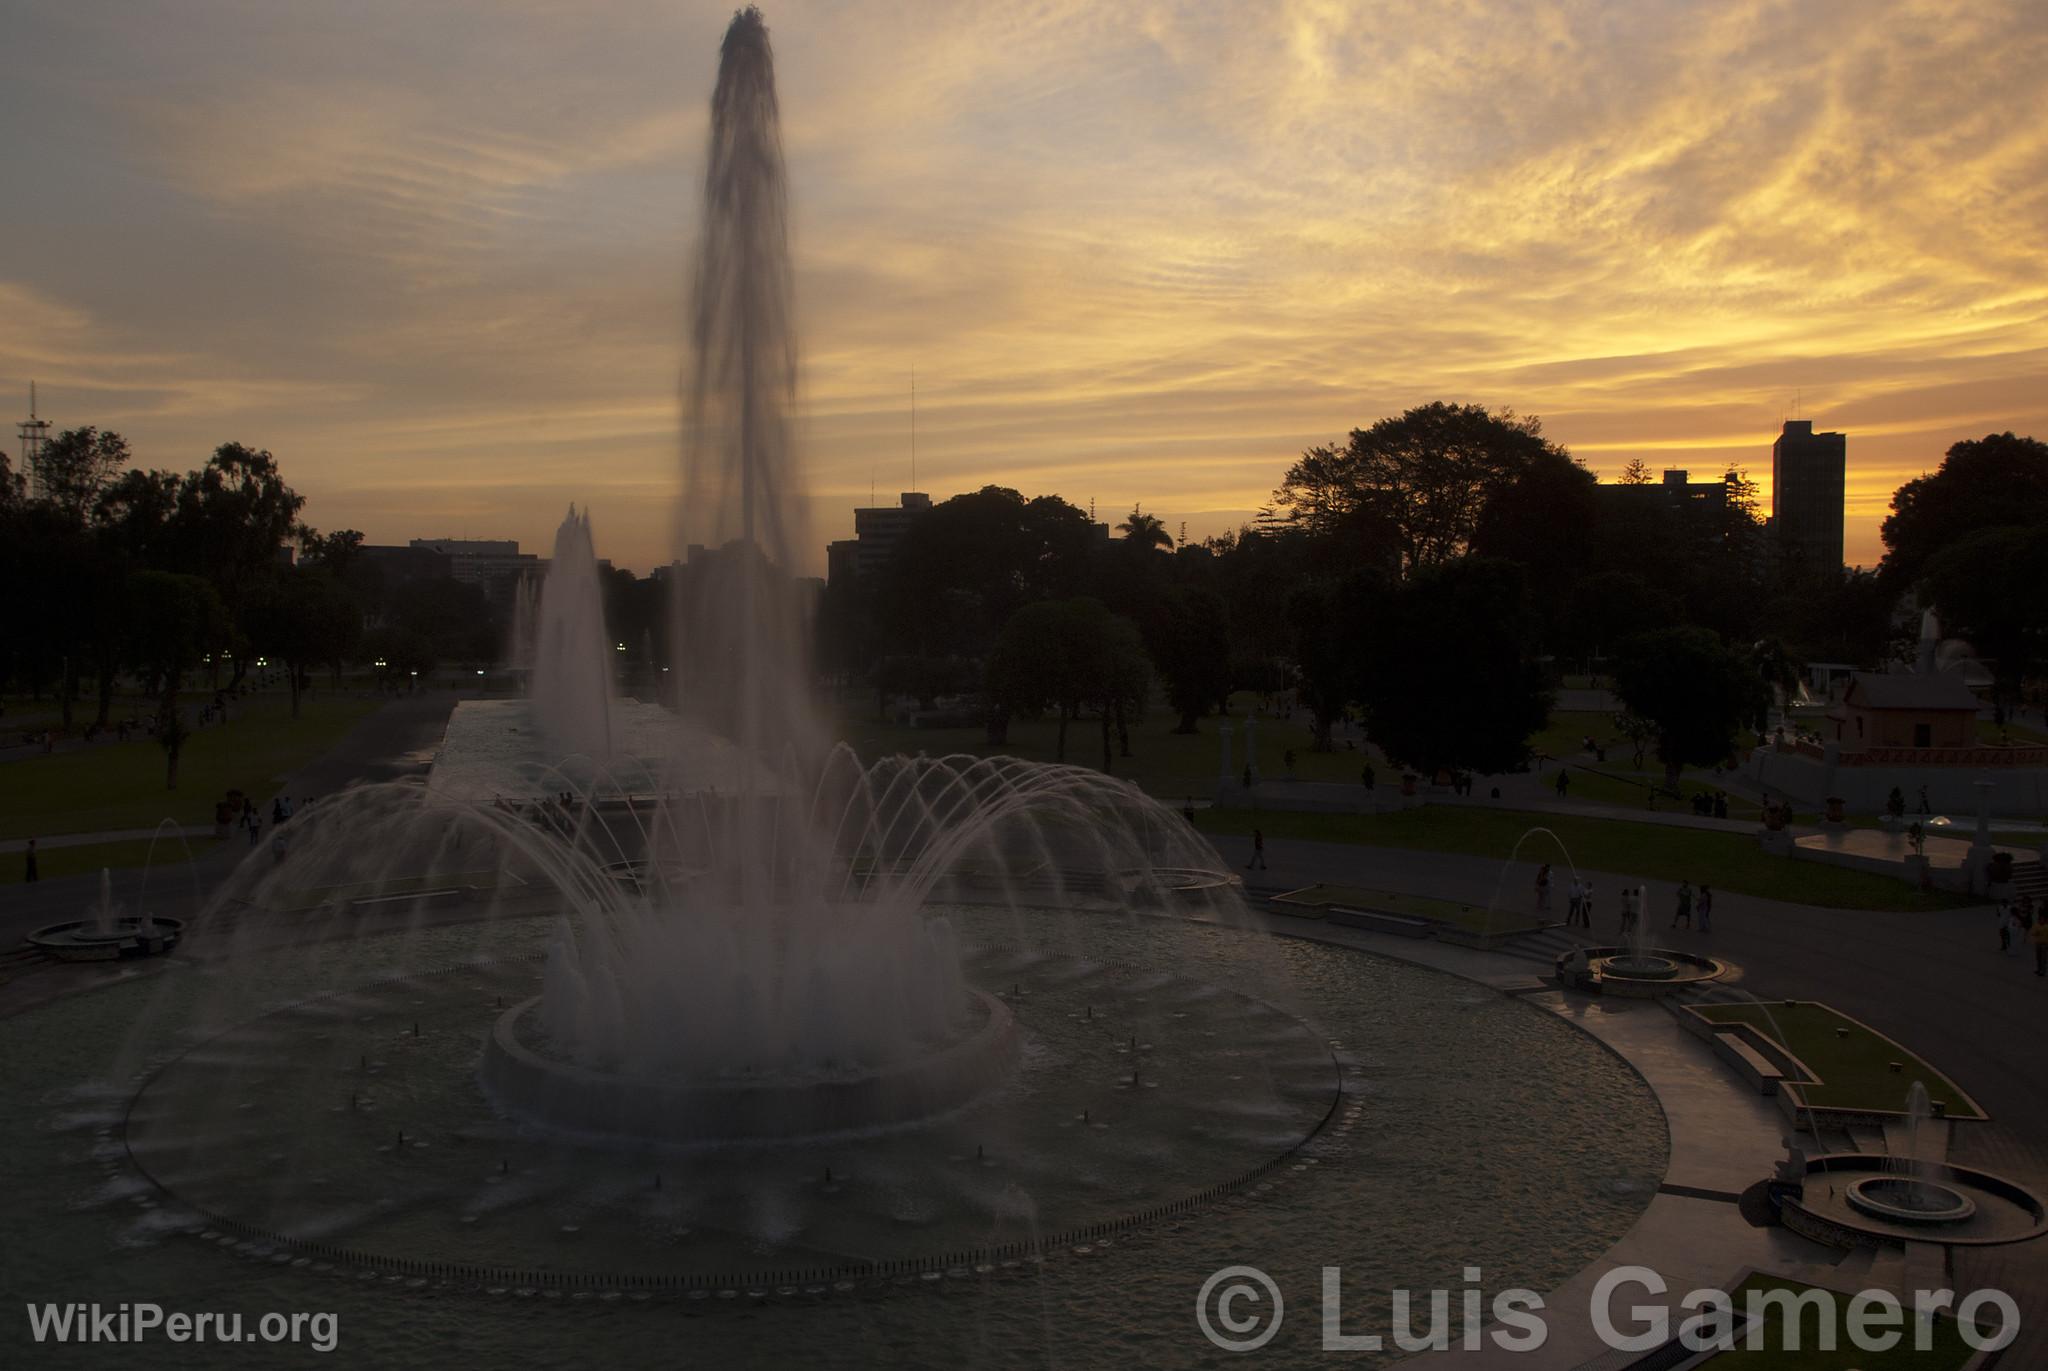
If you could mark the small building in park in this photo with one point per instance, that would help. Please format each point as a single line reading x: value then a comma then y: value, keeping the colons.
x: 1878, y: 711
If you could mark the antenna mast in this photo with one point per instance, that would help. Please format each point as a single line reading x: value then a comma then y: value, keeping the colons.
x: 913, y: 428
x: 34, y: 434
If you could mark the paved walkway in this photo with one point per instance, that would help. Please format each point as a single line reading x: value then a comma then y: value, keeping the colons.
x: 126, y: 835
x: 1934, y: 980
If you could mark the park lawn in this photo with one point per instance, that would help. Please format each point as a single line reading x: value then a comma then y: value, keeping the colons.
x: 1726, y: 861
x: 1946, y: 1350
x: 1854, y: 1070
x: 1169, y: 765
x: 1476, y: 918
x: 77, y: 860
x: 1565, y: 735
x: 2019, y: 735
x: 116, y: 786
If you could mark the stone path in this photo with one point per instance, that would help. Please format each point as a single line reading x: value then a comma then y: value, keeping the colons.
x: 1934, y: 981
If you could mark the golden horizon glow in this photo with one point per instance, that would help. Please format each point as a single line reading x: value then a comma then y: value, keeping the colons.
x: 433, y: 255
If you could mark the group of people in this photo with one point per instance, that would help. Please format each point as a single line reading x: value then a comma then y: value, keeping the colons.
x: 2020, y: 924
x: 1634, y: 899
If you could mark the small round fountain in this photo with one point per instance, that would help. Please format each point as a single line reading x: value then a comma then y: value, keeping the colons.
x: 107, y: 934
x: 1861, y: 1199
x: 1910, y: 1199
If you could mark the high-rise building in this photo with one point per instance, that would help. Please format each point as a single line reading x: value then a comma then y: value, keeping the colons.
x: 34, y: 433
x: 877, y: 529
x: 1809, y: 481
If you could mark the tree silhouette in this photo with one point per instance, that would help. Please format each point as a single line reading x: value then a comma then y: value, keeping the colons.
x: 1145, y: 532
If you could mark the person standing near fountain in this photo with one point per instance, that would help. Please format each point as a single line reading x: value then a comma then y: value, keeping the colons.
x: 1684, y: 911
x: 1706, y: 908
x: 2038, y: 936
x: 1258, y: 860
x: 1543, y: 888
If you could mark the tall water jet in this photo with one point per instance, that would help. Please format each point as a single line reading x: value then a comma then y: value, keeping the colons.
x: 754, y: 970
x: 572, y: 662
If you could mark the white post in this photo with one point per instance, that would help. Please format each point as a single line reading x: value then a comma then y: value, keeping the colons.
x: 1980, y: 843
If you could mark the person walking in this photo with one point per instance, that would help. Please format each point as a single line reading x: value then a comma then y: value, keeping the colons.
x: 1683, y: 914
x: 1564, y: 782
x: 1365, y: 776
x: 1258, y: 860
x: 1586, y: 907
x: 2038, y: 936
x: 1628, y: 910
x: 1543, y: 888
x: 2007, y: 921
x: 28, y: 866
x: 1575, y: 900
x: 1705, y: 905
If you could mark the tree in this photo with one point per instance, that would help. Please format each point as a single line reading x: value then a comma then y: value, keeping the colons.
x: 173, y: 618
x: 72, y: 468
x: 1419, y: 481
x: 1144, y: 532
x: 1067, y: 655
x: 1693, y: 688
x: 1464, y: 690
x: 1988, y: 588
x: 1189, y: 642
x: 1995, y: 481
x: 303, y: 618
x: 965, y: 566
x: 1326, y: 623
x: 1636, y: 473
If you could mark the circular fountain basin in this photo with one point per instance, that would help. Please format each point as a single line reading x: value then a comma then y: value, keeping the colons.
x: 1644, y: 967
x: 572, y: 1098
x: 1859, y: 1199
x: 1903, y: 1199
x: 1642, y: 974
x: 87, y: 940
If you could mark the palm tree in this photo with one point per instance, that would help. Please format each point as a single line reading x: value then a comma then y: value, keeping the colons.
x: 1144, y: 531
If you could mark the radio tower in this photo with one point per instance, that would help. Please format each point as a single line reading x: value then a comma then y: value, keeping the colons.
x: 34, y: 434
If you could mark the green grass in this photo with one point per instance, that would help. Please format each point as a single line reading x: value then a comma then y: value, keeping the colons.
x: 1475, y: 918
x: 1726, y: 861
x: 1946, y: 1349
x: 2018, y: 735
x: 116, y: 786
x: 53, y: 862
x: 1851, y: 1062
x: 1169, y: 765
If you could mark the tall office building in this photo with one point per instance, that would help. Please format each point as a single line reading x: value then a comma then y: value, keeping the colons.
x: 1809, y: 473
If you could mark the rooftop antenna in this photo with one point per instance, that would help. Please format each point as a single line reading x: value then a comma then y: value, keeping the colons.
x: 913, y: 428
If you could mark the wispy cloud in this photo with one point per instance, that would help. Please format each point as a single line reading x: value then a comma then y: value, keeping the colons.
x: 434, y: 254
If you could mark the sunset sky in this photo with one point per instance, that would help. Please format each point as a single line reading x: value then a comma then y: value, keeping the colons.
x: 432, y: 253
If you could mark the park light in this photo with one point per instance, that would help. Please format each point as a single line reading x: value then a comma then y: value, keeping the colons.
x: 479, y: 671
x: 622, y: 647
x: 381, y: 664
x: 415, y: 673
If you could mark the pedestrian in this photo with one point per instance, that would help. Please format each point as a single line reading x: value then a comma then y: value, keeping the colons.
x: 1683, y: 914
x: 1258, y: 850
x: 1564, y: 782
x: 1575, y: 902
x: 255, y: 828
x: 1586, y: 907
x: 1705, y: 905
x: 2038, y: 936
x: 1543, y: 888
x: 1365, y: 777
x: 28, y: 869
x: 2008, y: 919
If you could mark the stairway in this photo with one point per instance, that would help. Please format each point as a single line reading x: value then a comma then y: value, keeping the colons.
x: 2028, y: 878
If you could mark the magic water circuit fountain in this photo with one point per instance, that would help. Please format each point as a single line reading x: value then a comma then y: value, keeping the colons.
x: 684, y: 1001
